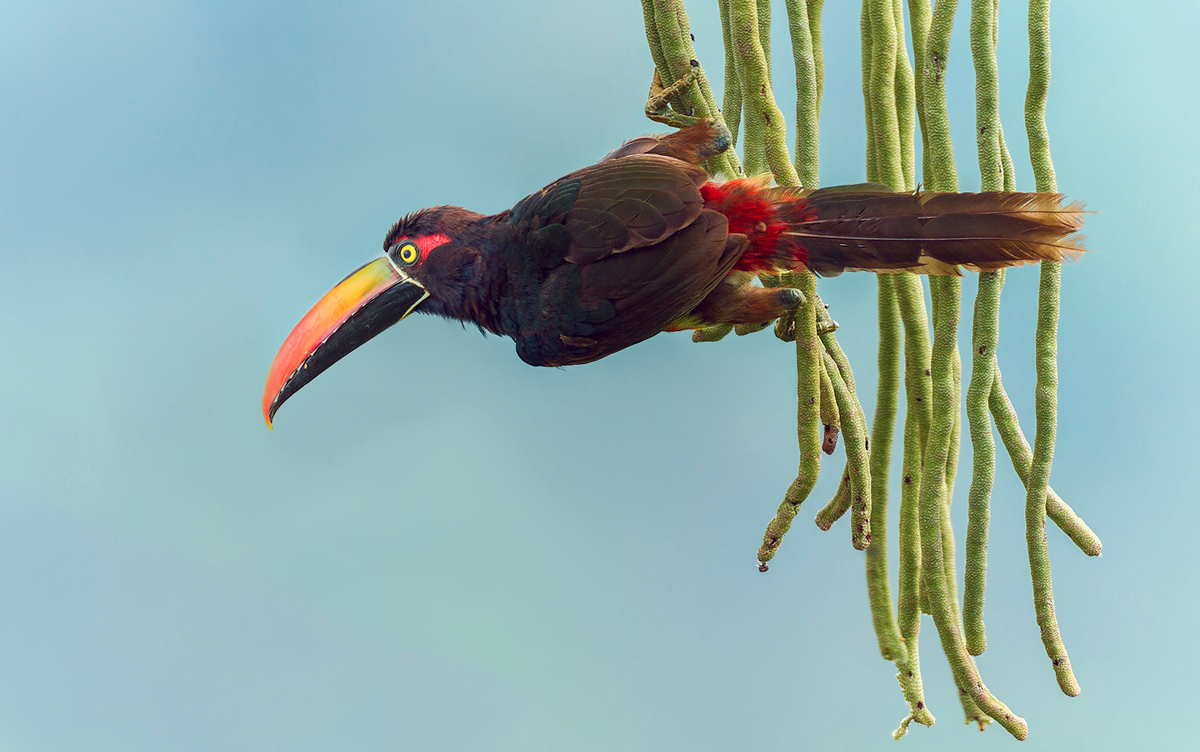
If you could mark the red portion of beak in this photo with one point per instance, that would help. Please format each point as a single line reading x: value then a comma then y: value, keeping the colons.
x: 364, y: 304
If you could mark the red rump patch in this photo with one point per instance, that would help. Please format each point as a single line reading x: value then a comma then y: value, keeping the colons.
x: 763, y: 214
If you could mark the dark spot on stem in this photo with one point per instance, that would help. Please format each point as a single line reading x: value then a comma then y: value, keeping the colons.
x: 695, y: 63
x: 920, y: 705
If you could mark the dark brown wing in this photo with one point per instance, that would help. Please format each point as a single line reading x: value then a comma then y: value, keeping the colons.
x: 693, y: 144
x: 608, y: 256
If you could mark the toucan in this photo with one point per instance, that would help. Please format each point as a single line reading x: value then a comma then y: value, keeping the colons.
x: 643, y: 242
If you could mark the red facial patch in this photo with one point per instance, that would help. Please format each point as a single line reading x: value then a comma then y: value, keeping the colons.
x: 428, y: 242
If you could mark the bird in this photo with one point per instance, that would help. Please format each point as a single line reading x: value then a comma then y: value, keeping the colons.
x: 644, y: 241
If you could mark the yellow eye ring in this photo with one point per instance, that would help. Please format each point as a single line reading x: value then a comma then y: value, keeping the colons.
x: 408, y: 254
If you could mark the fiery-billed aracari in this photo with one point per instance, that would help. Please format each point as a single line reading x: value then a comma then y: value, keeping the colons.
x: 643, y: 242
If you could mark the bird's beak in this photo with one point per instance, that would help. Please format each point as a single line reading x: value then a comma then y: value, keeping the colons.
x: 364, y: 304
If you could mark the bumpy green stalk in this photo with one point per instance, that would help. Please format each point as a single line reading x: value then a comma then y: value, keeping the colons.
x: 885, y: 128
x: 891, y: 646
x: 731, y: 105
x: 985, y: 330
x: 814, y: 26
x: 667, y: 31
x: 946, y: 293
x: 905, y: 102
x: 830, y: 415
x: 984, y: 339
x: 880, y: 36
x: 1010, y: 178
x: 758, y: 101
x: 807, y: 103
x: 1046, y: 354
x: 966, y: 675
x: 864, y: 26
x: 763, y: 11
x: 935, y: 127
x: 838, y: 505
x: 858, y: 462
x: 917, y: 388
x: 919, y: 20
x: 854, y: 423
x: 910, y: 310
x: 652, y: 37
x: 1022, y: 458
x: 987, y: 94
x: 808, y: 420
x: 908, y: 610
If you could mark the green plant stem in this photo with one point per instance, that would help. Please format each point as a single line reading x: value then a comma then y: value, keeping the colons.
x: 671, y: 48
x: 858, y: 462
x: 919, y: 20
x: 808, y: 113
x: 830, y: 415
x: 808, y: 420
x: 815, y: 7
x: 838, y: 505
x: 891, y: 645
x: 984, y: 340
x: 1046, y: 355
x: 937, y: 120
x: 758, y: 101
x: 908, y: 611
x: 911, y: 303
x: 1022, y: 459
x: 885, y: 127
x: 763, y: 11
x: 854, y: 424
x: 985, y: 331
x: 945, y: 617
x: 905, y: 94
x: 865, y: 28
x: 731, y: 104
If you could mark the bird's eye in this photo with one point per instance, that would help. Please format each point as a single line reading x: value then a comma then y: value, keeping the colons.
x: 407, y: 254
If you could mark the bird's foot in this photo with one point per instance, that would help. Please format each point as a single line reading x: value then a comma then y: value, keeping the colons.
x: 825, y: 324
x: 658, y: 106
x: 713, y: 333
x: 785, y: 327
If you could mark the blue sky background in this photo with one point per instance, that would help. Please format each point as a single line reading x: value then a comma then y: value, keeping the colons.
x: 441, y: 548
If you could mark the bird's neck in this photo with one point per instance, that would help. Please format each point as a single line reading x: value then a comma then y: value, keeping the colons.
x: 468, y: 286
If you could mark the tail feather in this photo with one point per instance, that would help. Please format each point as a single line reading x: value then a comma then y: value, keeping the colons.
x: 935, y: 233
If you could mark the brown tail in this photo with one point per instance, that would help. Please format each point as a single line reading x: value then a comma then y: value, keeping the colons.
x: 870, y: 227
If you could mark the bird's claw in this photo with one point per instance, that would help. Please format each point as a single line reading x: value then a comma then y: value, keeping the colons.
x: 785, y: 328
x: 825, y: 324
x: 658, y: 106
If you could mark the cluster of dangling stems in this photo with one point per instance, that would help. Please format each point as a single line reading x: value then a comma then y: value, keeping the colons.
x: 895, y: 101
